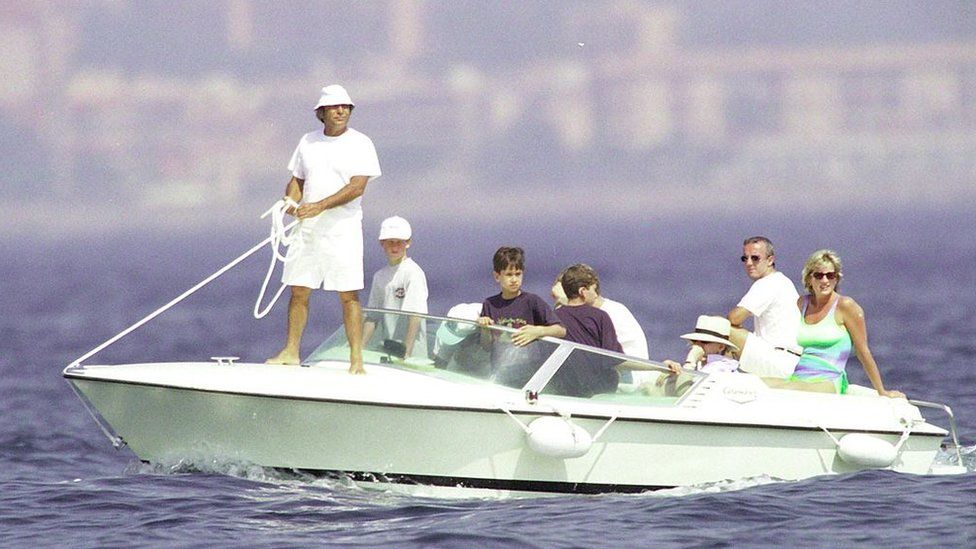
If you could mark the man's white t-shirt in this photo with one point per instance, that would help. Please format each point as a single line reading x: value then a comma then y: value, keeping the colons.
x: 629, y: 333
x: 401, y: 287
x: 327, y: 164
x: 772, y: 302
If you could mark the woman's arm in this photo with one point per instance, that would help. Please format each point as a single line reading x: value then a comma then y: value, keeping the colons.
x: 852, y: 317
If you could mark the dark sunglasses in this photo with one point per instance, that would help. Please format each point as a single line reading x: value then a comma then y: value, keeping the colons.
x: 821, y: 276
x: 754, y: 258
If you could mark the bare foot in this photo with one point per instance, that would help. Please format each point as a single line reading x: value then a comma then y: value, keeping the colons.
x: 284, y: 357
x: 356, y: 368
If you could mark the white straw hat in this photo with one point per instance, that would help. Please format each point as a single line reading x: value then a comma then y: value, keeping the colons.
x: 395, y: 227
x: 712, y: 328
x: 334, y: 95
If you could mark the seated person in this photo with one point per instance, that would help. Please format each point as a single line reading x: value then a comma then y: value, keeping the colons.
x: 585, y: 374
x: 771, y: 350
x: 710, y: 352
x: 400, y: 285
x: 831, y: 326
x: 629, y: 332
x: 456, y: 344
x: 513, y: 362
x: 711, y: 349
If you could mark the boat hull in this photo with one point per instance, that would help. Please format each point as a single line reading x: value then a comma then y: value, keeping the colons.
x: 430, y: 442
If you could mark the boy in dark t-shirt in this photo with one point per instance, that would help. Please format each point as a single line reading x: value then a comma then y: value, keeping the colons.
x: 585, y: 374
x: 528, y: 313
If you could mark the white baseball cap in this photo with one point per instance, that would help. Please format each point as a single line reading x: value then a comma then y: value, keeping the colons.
x: 334, y: 95
x: 452, y: 333
x: 395, y: 227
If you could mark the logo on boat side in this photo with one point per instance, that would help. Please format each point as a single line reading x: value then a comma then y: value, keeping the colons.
x: 739, y: 395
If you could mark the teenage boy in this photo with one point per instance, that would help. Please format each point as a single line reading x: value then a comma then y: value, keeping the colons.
x: 402, y: 286
x: 588, y: 374
x: 514, y: 308
x: 526, y: 312
x: 629, y: 332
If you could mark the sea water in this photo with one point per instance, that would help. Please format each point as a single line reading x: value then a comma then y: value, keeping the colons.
x: 62, y: 483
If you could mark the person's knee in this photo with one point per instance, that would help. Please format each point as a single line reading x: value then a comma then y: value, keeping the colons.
x: 300, y: 293
x: 349, y: 298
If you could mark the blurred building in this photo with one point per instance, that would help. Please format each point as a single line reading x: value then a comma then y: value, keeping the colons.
x: 620, y: 97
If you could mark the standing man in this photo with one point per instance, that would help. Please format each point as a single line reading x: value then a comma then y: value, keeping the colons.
x: 330, y: 170
x: 772, y: 350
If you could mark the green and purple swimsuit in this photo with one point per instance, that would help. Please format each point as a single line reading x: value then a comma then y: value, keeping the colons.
x: 826, y: 348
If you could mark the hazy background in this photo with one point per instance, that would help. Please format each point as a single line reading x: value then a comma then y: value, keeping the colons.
x: 119, y: 115
x: 646, y: 138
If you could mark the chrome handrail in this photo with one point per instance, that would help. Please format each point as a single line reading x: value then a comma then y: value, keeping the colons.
x: 952, y: 422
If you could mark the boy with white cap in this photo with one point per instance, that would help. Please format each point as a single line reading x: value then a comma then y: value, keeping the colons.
x: 329, y: 172
x: 402, y: 286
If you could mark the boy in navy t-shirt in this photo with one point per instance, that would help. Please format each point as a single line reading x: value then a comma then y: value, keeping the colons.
x: 585, y: 374
x: 526, y: 312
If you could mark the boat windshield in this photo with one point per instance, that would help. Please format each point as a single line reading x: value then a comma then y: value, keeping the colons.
x: 461, y: 351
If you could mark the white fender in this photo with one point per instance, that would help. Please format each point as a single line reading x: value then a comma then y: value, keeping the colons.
x: 866, y: 450
x: 558, y: 437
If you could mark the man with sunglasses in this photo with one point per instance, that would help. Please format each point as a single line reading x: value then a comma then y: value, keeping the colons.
x: 771, y: 350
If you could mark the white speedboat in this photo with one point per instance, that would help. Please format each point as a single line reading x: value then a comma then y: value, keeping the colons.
x: 471, y: 418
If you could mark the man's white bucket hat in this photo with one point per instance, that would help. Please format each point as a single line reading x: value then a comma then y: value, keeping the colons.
x: 334, y: 95
x: 395, y: 227
x: 711, y: 328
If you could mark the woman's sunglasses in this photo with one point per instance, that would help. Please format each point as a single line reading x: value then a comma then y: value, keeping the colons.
x: 821, y: 276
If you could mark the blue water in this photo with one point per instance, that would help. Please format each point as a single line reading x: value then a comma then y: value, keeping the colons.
x: 62, y: 483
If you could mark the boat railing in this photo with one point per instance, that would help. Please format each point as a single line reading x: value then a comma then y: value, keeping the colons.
x: 952, y: 422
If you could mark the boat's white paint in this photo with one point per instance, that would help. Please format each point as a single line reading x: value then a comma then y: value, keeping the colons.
x: 397, y: 422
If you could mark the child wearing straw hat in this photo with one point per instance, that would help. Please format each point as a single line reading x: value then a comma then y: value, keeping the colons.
x: 710, y: 346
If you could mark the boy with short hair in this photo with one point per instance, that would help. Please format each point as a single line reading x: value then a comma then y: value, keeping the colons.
x: 528, y: 313
x: 400, y: 285
x: 514, y: 308
x: 588, y: 325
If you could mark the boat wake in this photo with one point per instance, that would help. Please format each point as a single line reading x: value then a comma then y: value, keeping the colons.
x: 346, y: 485
x: 716, y: 487
x: 947, y: 457
x: 241, y: 470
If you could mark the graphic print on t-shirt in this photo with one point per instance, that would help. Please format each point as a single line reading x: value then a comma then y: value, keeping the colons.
x: 511, y: 322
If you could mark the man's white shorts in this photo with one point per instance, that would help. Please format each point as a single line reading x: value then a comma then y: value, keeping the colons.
x: 761, y: 358
x: 328, y: 261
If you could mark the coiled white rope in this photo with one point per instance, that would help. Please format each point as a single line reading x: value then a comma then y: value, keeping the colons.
x: 280, y: 236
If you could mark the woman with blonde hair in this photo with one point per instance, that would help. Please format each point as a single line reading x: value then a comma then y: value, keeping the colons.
x: 832, y: 325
